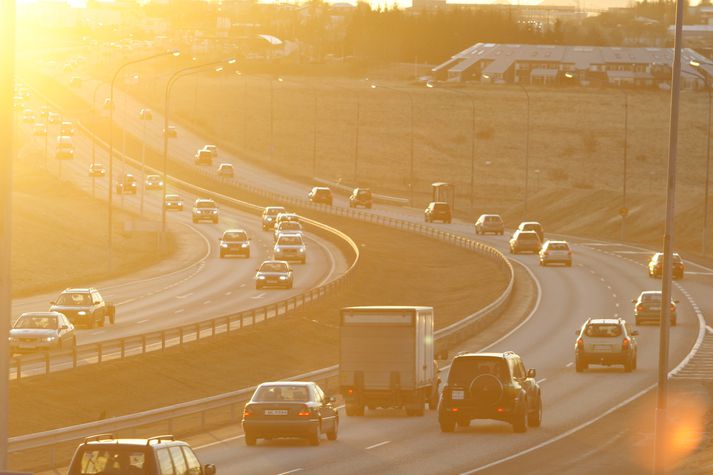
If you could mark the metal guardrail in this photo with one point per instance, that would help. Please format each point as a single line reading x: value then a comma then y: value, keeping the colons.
x: 202, y: 408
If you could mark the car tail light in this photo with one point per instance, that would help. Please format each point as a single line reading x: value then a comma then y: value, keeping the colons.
x: 580, y: 344
x: 305, y: 412
x: 350, y: 392
x: 625, y: 344
x: 247, y: 413
x: 455, y: 409
x: 500, y: 410
x: 640, y: 308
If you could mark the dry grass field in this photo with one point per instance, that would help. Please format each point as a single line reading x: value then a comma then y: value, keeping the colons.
x: 59, y: 235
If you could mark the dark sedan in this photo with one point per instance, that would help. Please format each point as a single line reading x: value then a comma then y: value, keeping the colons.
x: 290, y: 409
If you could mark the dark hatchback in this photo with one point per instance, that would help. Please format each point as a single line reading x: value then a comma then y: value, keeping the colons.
x: 437, y: 211
x: 290, y: 409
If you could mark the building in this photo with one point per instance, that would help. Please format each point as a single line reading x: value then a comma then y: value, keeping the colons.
x: 583, y: 65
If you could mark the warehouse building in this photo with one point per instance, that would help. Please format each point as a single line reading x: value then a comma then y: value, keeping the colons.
x: 582, y: 65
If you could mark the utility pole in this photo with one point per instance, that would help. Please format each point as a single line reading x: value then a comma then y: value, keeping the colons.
x: 7, y: 87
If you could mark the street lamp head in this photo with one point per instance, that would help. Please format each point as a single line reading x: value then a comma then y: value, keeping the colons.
x: 694, y: 63
x: 219, y: 69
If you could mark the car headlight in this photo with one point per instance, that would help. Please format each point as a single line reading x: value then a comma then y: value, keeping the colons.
x: 277, y: 249
x: 269, y: 218
x: 215, y: 211
x: 302, y: 249
x: 283, y: 277
x: 222, y: 244
x: 81, y: 313
x: 245, y: 244
x: 50, y: 338
x: 261, y: 277
x: 11, y: 339
x: 133, y: 185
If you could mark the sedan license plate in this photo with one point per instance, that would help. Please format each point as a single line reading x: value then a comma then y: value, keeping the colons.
x: 602, y: 348
x: 275, y: 412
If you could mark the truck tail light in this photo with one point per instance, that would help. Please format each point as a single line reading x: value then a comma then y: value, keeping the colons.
x: 350, y: 392
x: 455, y: 409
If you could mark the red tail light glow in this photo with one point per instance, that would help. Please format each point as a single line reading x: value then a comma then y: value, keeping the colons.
x: 639, y: 308
x: 350, y: 391
x: 625, y: 344
x: 247, y: 412
x: 305, y: 412
x: 580, y: 344
x: 455, y: 409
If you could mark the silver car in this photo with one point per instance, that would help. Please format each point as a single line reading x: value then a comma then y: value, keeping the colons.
x: 269, y: 215
x: 556, y: 252
x: 41, y: 331
x: 288, y: 227
x: 290, y: 247
x: 605, y: 341
x: 489, y: 223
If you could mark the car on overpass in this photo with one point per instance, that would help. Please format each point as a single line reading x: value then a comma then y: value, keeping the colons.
x: 605, y: 341
x: 226, y: 170
x: 173, y: 202
x: 126, y: 184
x: 320, y: 195
x: 106, y: 454
x: 97, y: 170
x: 437, y: 211
x: 153, y: 182
x: 290, y: 409
x: 361, y: 197
x: 490, y: 386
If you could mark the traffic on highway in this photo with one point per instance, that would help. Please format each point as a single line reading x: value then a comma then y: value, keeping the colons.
x: 577, y: 339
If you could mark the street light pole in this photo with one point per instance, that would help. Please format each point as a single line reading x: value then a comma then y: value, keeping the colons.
x: 527, y: 143
x: 314, y: 135
x: 626, y: 147
x: 7, y: 86
x: 110, y: 216
x: 169, y: 86
x: 660, y: 442
x: 356, y: 141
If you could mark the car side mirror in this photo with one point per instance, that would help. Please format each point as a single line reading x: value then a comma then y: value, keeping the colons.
x: 531, y: 373
x: 634, y: 332
x: 209, y: 469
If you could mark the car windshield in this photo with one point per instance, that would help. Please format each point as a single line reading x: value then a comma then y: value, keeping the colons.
x: 46, y: 322
x: 235, y: 236
x: 205, y: 204
x: 440, y: 207
x: 152, y: 178
x: 321, y: 191
x: 558, y: 246
x: 74, y: 299
x: 364, y: 193
x: 110, y: 460
x: 290, y: 226
x: 172, y: 197
x: 531, y: 227
x: 274, y: 211
x: 226, y: 166
x: 527, y: 237
x: 492, y: 219
x: 290, y: 240
x: 282, y: 393
x: 603, y: 330
x: 273, y: 267
x: 651, y: 297
x: 464, y: 370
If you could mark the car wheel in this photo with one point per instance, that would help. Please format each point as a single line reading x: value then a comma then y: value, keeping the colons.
x: 195, y: 220
x: 250, y: 440
x: 258, y: 286
x: 92, y: 323
x: 101, y: 321
x: 519, y: 423
x: 216, y: 221
x: 315, y: 436
x: 633, y: 366
x: 332, y: 435
x: 579, y: 366
x: 222, y: 254
x: 447, y: 425
x: 304, y: 261
x: 534, y: 419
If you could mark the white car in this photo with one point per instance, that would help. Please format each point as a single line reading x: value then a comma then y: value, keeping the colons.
x: 226, y: 170
x: 269, y: 215
x: 212, y: 149
x: 556, y: 252
x: 290, y: 247
x: 287, y: 227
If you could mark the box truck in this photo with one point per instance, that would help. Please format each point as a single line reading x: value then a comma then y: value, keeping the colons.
x: 386, y: 359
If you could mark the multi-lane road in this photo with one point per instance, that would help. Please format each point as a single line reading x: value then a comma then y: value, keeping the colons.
x: 602, y: 282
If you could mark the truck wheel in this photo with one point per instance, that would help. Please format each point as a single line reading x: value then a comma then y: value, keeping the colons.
x: 519, y: 422
x: 534, y: 419
x: 447, y: 425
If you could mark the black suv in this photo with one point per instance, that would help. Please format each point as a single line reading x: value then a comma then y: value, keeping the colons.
x: 490, y: 386
x: 361, y: 197
x: 437, y: 211
x: 320, y: 194
x: 84, y: 307
x: 153, y: 456
x: 126, y: 184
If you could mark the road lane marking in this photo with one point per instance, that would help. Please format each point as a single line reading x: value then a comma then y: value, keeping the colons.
x: 698, y: 273
x: 542, y: 380
x: 291, y: 471
x: 709, y: 328
x: 569, y: 365
x: 259, y: 296
x: 230, y: 292
x: 206, y: 302
x: 180, y: 310
x: 218, y: 442
x: 142, y: 321
x: 242, y: 285
x: 184, y: 295
x: 378, y: 445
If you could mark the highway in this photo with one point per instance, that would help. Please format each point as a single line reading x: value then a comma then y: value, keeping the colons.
x: 602, y: 282
x: 204, y: 288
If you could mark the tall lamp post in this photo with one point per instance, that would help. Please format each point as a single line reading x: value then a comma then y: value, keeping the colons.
x: 110, y: 184
x: 272, y: 117
x: 697, y: 64
x: 7, y: 85
x: 624, y: 210
x: 472, y: 137
x: 411, y: 134
x: 94, y: 125
x: 199, y: 68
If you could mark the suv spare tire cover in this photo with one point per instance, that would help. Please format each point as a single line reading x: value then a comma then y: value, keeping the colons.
x: 486, y: 390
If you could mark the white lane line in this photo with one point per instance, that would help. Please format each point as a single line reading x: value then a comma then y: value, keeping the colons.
x: 542, y: 380
x: 709, y: 328
x: 698, y: 273
x: 569, y: 365
x: 602, y: 279
x: 230, y: 292
x: 613, y: 295
x: 206, y: 302
x: 259, y: 296
x: 218, y: 442
x: 184, y: 295
x: 180, y: 310
x: 242, y: 285
x: 142, y: 321
x: 378, y: 445
x: 291, y: 471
